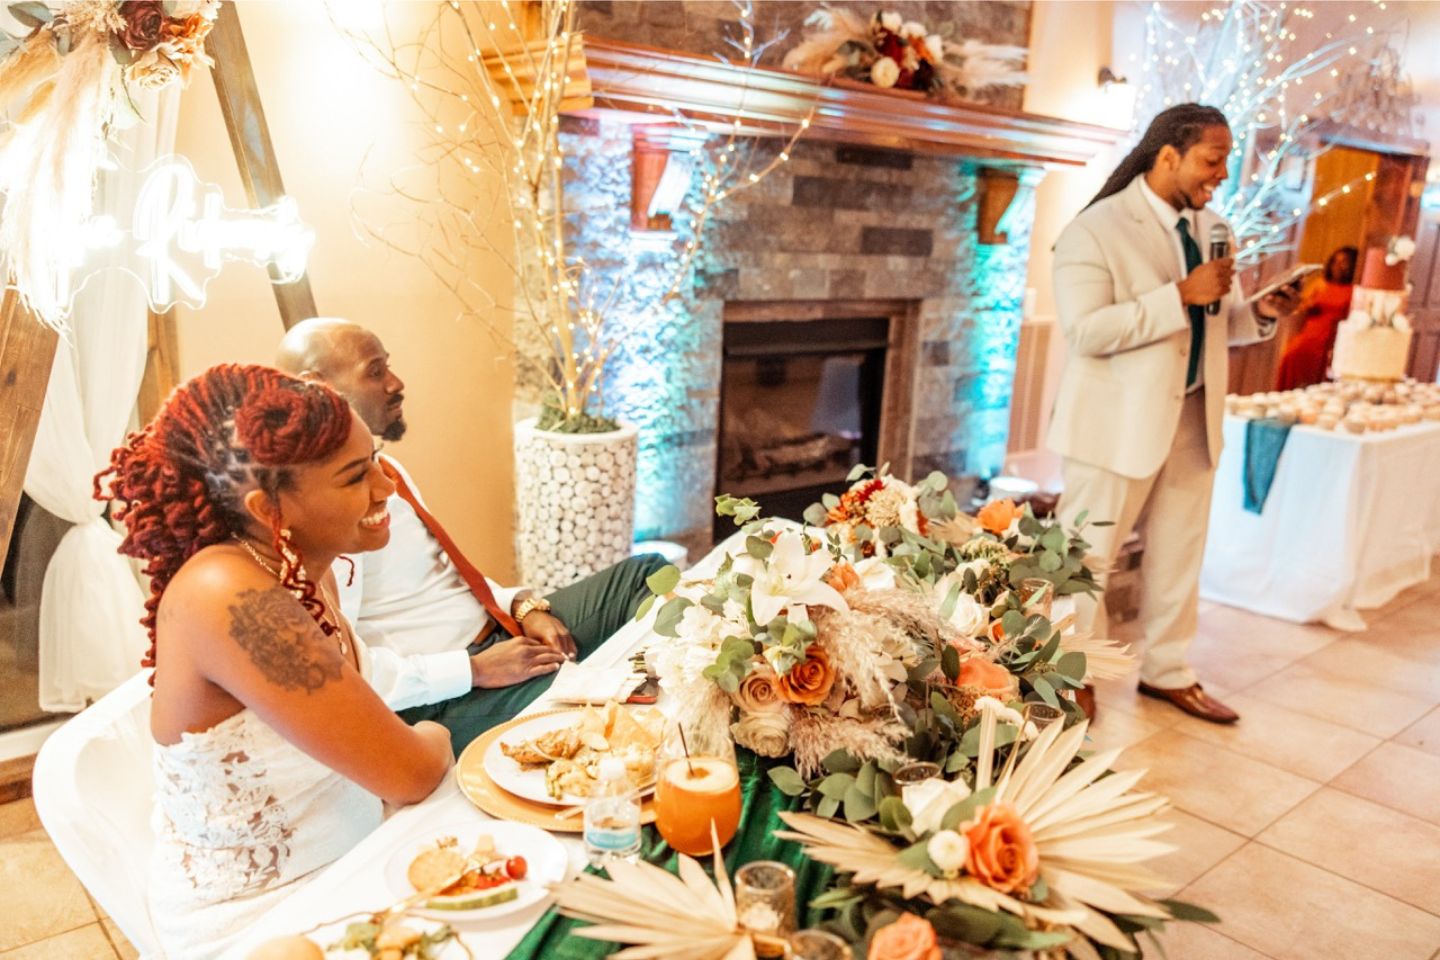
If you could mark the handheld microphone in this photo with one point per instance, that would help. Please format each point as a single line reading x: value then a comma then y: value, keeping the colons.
x: 1219, y: 250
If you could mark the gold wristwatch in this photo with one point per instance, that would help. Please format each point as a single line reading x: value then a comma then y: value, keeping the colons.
x: 529, y: 605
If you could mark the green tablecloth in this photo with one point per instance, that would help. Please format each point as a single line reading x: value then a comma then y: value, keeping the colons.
x: 552, y: 937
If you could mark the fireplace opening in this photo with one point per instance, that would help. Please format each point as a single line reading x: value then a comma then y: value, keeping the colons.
x: 800, y: 404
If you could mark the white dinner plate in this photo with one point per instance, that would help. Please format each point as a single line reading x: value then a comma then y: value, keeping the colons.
x: 528, y: 783
x: 544, y: 856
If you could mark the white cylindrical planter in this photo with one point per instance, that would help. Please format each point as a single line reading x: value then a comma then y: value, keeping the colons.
x: 574, y: 503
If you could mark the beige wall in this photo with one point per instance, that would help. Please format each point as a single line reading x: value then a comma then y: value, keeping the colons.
x: 329, y: 113
x: 1069, y: 43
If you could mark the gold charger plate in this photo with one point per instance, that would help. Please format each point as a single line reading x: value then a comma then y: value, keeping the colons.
x: 482, y: 791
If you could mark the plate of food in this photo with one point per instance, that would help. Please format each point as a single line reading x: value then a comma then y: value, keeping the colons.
x: 476, y: 870
x: 555, y: 758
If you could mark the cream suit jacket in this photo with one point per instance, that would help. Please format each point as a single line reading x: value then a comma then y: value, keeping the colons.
x: 1128, y: 337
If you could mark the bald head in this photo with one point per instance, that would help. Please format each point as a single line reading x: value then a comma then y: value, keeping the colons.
x: 353, y: 361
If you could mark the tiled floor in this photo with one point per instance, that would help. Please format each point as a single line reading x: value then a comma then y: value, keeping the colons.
x: 1312, y: 827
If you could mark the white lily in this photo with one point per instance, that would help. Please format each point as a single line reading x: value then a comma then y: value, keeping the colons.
x: 790, y: 577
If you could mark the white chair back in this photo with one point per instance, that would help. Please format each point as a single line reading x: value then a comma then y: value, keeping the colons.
x: 94, y: 790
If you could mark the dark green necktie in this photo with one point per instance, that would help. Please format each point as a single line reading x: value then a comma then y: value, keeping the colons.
x: 1197, y: 313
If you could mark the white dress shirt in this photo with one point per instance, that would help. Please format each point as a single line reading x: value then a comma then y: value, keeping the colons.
x: 415, y: 612
x: 1170, y: 219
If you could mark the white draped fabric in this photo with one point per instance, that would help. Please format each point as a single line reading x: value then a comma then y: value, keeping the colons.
x: 1350, y: 522
x: 91, y: 601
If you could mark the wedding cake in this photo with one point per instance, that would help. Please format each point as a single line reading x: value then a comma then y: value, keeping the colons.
x: 1374, y: 343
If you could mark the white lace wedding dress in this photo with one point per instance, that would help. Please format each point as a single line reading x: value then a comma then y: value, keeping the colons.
x: 240, y: 815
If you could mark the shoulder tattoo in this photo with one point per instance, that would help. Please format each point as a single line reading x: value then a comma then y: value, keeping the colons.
x: 275, y: 632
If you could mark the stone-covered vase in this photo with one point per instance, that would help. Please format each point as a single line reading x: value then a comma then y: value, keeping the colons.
x: 574, y: 503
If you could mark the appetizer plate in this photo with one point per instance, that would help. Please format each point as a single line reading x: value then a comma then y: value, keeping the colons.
x: 545, y: 859
x: 528, y: 783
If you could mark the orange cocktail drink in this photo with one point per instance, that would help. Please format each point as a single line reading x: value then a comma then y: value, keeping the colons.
x: 689, y: 795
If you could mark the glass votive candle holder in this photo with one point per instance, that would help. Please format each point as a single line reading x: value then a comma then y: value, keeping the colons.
x: 1042, y: 715
x: 818, y: 945
x: 765, y: 903
x: 917, y: 772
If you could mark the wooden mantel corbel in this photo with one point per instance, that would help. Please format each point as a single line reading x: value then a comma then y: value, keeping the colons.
x: 658, y: 151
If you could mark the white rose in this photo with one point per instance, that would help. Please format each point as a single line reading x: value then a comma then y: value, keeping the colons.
x: 948, y: 850
x: 875, y: 574
x: 884, y: 72
x: 935, y: 44
x: 890, y: 20
x: 928, y: 800
x: 910, y: 516
x: 768, y: 734
x: 969, y: 617
x: 910, y: 29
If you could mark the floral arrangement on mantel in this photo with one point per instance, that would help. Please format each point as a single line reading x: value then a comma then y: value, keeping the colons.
x: 890, y: 52
x: 837, y: 635
x: 66, y: 84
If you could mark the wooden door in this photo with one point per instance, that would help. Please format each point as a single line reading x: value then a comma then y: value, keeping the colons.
x: 1425, y: 298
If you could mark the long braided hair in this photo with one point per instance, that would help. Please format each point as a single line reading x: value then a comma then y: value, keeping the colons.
x: 181, y: 478
x: 1180, y: 126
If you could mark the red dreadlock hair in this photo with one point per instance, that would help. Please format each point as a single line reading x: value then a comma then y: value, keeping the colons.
x: 181, y: 477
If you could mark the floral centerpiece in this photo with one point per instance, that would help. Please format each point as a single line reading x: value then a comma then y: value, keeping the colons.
x: 1024, y: 844
x: 890, y: 52
x: 892, y: 629
x: 835, y: 635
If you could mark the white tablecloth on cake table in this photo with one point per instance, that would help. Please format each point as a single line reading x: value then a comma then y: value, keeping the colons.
x: 1350, y: 522
x: 356, y: 882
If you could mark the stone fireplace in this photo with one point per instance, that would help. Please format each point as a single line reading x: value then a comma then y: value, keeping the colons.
x: 808, y: 389
x: 882, y: 267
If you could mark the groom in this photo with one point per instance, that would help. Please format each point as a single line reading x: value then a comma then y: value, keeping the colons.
x: 1138, y: 415
x: 472, y: 653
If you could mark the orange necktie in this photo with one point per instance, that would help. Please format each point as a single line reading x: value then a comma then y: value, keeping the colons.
x: 473, y: 578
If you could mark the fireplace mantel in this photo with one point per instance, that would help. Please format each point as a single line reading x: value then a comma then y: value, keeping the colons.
x: 642, y: 84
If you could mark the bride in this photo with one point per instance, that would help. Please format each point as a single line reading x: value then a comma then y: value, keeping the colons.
x: 273, y: 755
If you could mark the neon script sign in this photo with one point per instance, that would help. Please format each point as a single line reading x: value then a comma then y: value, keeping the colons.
x: 182, y: 234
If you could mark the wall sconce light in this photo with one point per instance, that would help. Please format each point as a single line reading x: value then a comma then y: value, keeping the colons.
x: 1119, y: 96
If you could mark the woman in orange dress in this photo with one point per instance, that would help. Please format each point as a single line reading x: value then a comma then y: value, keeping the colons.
x: 1307, y: 355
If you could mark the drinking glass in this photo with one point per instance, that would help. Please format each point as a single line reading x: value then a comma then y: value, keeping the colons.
x: 696, y: 788
x: 818, y: 945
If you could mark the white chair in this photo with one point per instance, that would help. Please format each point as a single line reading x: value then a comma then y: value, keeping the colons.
x: 93, y: 791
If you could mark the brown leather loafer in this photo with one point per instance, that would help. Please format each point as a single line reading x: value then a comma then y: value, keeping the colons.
x: 1194, y: 701
x: 1085, y: 700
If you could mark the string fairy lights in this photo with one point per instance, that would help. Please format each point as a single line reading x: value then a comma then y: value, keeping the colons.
x: 522, y: 66
x: 1280, y: 94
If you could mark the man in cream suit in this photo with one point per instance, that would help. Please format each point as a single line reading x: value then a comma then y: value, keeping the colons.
x: 1138, y: 415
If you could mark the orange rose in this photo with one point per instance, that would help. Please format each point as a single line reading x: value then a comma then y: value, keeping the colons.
x: 997, y: 515
x: 988, y: 676
x: 809, y: 682
x: 909, y: 938
x: 842, y: 577
x: 1002, y: 852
